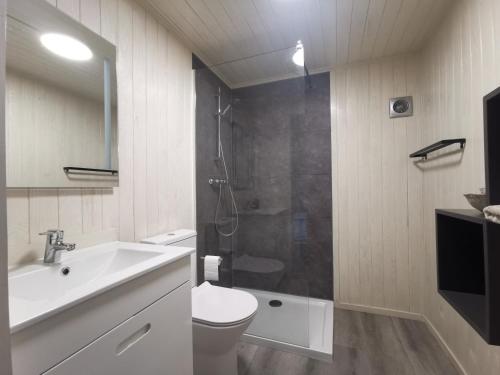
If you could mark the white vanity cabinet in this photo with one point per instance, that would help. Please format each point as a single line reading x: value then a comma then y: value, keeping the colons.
x: 139, y: 327
x: 155, y: 341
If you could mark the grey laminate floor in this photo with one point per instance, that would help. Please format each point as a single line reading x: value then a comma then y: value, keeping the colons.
x: 364, y: 344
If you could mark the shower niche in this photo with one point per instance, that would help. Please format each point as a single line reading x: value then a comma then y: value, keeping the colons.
x: 468, y: 245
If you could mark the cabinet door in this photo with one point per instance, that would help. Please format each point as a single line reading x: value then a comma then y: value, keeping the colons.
x: 157, y: 340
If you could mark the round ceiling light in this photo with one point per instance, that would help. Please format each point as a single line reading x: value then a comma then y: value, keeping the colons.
x: 298, y: 56
x: 66, y: 46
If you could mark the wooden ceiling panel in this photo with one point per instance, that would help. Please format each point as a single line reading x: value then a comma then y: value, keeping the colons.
x: 334, y: 32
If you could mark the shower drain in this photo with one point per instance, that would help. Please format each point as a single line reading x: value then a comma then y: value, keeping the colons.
x: 275, y: 303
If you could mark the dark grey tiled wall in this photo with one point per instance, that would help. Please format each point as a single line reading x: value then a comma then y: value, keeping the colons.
x: 282, y: 155
x: 278, y: 150
x: 207, y: 165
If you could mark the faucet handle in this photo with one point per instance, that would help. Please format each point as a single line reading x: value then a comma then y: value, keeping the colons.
x: 50, y: 231
x: 59, y: 234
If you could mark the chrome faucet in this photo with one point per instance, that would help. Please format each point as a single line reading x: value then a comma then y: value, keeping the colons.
x: 54, y: 245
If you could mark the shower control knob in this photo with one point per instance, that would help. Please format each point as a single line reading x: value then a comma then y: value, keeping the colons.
x: 216, y: 181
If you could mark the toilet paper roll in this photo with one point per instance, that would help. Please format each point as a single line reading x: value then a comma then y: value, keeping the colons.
x: 212, y: 264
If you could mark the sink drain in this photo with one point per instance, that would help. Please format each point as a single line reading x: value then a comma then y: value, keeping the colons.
x: 275, y: 303
x: 65, y: 271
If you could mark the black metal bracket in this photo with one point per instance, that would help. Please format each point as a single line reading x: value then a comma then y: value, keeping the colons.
x: 112, y: 172
x: 436, y: 146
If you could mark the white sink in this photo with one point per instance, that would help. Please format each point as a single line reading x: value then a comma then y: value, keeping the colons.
x: 39, y: 290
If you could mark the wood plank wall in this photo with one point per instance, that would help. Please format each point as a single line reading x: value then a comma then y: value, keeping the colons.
x: 377, y: 189
x: 459, y: 67
x: 156, y: 144
x: 385, y: 256
x: 5, y: 361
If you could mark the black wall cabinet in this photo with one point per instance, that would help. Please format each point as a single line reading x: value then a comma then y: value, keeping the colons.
x: 467, y: 264
x: 468, y: 246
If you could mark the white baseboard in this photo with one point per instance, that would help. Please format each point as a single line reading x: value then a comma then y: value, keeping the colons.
x: 406, y: 315
x: 445, y: 346
x: 379, y: 311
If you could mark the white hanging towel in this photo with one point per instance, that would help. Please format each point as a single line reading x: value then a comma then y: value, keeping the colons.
x: 492, y: 213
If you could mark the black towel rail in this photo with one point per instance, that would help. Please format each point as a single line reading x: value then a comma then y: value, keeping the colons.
x: 437, y: 146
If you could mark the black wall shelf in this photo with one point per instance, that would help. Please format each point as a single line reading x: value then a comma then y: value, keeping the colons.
x: 468, y: 245
x: 467, y: 268
x: 422, y: 153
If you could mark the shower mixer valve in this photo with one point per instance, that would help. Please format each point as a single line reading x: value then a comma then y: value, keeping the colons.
x: 215, y: 181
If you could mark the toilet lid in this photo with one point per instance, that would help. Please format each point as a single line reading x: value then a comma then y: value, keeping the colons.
x: 214, y: 305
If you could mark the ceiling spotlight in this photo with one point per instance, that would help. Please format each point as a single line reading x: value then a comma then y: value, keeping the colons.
x: 298, y: 56
x: 66, y: 46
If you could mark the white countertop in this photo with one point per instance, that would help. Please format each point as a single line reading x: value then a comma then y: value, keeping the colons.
x: 38, y: 291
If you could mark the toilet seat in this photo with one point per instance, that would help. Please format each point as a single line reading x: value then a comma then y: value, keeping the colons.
x: 221, y: 307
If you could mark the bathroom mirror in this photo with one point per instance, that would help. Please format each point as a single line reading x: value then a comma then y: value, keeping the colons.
x: 61, y: 101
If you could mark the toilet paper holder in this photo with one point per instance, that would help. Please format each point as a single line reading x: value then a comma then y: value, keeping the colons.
x: 220, y: 260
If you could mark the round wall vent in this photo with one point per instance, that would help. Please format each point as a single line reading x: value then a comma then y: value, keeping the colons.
x: 401, y: 107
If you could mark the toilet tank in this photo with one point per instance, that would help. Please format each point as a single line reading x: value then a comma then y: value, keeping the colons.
x: 179, y: 238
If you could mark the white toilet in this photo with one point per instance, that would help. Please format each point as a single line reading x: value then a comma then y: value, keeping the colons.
x: 220, y: 315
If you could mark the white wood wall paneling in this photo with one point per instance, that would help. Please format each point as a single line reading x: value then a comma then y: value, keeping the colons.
x: 458, y: 69
x: 375, y: 228
x: 150, y: 199
x: 70, y: 208
x: 152, y: 116
x: 401, y: 205
x: 334, y: 113
x: 140, y: 129
x: 374, y: 196
x: 390, y: 202
x: 126, y: 120
x: 416, y: 250
x: 389, y: 261
x: 163, y: 131
x: 4, y: 290
x: 109, y: 13
x: 90, y: 15
x: 70, y: 7
x: 180, y: 162
x: 362, y: 75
